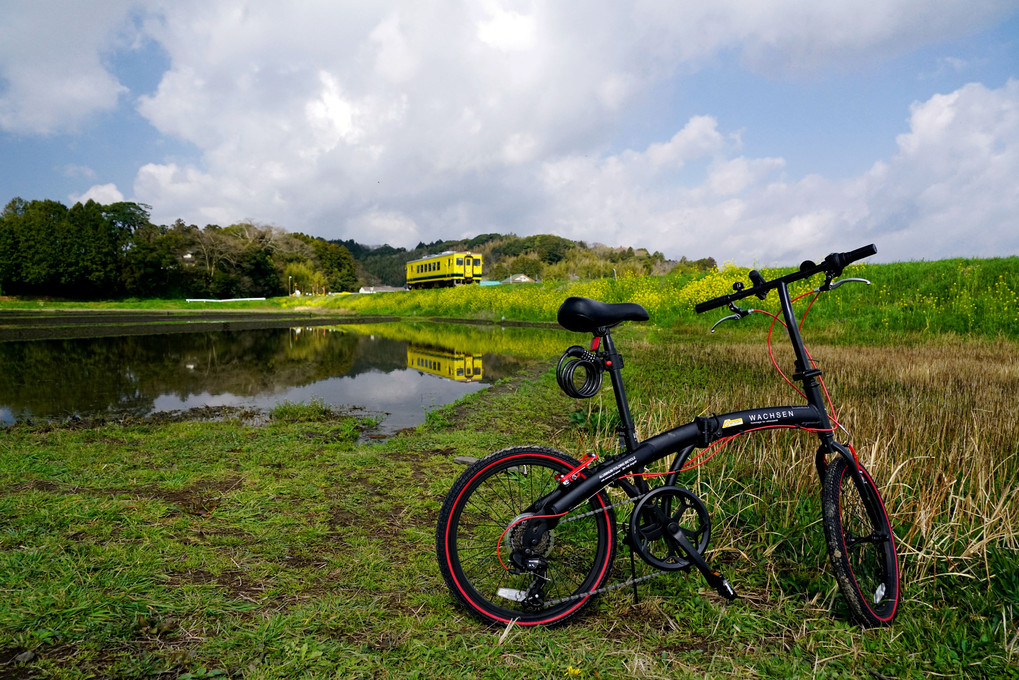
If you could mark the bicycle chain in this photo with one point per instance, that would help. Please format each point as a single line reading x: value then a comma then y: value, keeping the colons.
x: 605, y: 509
x: 605, y: 589
x: 614, y: 586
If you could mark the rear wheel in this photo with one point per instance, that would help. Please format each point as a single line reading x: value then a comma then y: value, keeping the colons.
x: 861, y: 544
x: 482, y: 555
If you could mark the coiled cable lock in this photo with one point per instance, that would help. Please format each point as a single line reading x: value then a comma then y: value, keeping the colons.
x: 572, y: 359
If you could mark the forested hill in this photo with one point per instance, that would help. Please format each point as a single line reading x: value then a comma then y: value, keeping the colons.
x: 92, y: 251
x: 95, y: 251
x: 543, y: 256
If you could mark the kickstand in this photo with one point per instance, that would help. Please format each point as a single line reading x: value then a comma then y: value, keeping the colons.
x: 633, y: 576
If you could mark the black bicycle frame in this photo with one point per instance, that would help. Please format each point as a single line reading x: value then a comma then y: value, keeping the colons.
x: 702, y: 431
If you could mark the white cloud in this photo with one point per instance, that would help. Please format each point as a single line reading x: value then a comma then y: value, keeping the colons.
x: 395, y: 60
x: 403, y: 121
x: 952, y: 186
x: 52, y: 75
x: 308, y: 116
x: 950, y: 189
x: 330, y: 116
x: 508, y: 31
x: 798, y: 36
x: 208, y: 201
x: 72, y: 170
x: 381, y: 227
x: 100, y: 193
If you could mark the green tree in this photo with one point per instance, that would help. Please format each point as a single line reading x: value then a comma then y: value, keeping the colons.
x: 498, y: 272
x: 10, y: 257
x: 92, y: 248
x: 40, y: 233
x: 126, y: 218
x: 337, y: 264
x: 150, y: 266
x: 256, y: 275
x: 303, y: 277
x: 215, y: 250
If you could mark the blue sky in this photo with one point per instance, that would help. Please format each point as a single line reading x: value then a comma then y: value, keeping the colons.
x: 745, y: 131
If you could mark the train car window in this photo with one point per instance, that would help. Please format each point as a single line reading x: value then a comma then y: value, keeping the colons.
x: 459, y: 262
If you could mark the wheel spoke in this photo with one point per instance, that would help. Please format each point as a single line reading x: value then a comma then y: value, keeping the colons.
x: 574, y: 558
x: 876, y: 537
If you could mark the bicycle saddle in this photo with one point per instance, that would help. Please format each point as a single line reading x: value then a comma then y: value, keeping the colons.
x: 584, y: 315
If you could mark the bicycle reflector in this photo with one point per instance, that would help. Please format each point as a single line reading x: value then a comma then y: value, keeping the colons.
x: 566, y: 373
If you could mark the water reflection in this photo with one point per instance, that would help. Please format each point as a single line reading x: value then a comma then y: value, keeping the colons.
x: 445, y: 363
x: 386, y: 368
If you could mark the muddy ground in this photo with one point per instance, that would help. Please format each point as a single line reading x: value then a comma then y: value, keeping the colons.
x: 66, y: 324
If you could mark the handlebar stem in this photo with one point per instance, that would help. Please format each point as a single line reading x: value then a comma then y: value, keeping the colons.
x: 805, y: 371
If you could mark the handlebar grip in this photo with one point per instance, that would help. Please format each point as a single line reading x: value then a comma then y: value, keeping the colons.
x: 708, y: 305
x: 843, y: 260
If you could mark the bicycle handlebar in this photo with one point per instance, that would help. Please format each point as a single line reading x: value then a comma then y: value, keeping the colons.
x: 832, y: 266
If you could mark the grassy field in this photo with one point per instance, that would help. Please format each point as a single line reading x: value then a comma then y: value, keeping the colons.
x: 290, y: 550
x: 971, y: 297
x: 217, y: 549
x: 966, y: 297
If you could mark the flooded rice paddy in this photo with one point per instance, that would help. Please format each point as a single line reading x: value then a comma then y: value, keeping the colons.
x: 392, y: 371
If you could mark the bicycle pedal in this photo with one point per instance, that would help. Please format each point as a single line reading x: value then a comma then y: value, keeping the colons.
x: 725, y: 590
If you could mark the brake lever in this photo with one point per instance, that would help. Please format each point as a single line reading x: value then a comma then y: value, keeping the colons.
x: 739, y: 314
x: 828, y: 285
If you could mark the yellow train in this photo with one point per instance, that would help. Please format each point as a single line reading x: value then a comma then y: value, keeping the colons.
x: 445, y: 269
x: 448, y: 364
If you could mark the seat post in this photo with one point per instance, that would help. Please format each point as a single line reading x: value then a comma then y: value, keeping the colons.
x: 614, y: 365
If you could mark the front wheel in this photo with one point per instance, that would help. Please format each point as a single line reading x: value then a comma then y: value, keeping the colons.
x: 861, y: 544
x: 480, y: 544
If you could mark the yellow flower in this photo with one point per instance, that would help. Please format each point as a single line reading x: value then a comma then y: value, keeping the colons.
x: 572, y: 672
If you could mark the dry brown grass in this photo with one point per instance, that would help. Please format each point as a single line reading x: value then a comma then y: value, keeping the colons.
x: 935, y: 423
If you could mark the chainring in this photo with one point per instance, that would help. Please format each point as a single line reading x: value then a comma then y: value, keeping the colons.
x: 652, y: 518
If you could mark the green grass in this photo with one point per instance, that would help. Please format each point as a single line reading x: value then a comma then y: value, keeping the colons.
x: 973, y: 297
x: 963, y: 296
x: 138, y: 304
x: 215, y: 549
x: 220, y: 549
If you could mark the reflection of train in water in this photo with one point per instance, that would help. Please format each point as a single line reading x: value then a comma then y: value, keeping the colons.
x: 444, y: 363
x: 447, y: 269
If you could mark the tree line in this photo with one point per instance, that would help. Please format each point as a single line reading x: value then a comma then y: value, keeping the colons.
x: 94, y: 251
x: 541, y: 257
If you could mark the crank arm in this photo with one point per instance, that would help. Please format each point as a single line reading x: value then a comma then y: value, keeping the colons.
x: 712, y: 576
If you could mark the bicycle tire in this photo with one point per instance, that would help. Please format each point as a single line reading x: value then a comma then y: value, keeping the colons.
x: 861, y: 544
x: 473, y: 540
